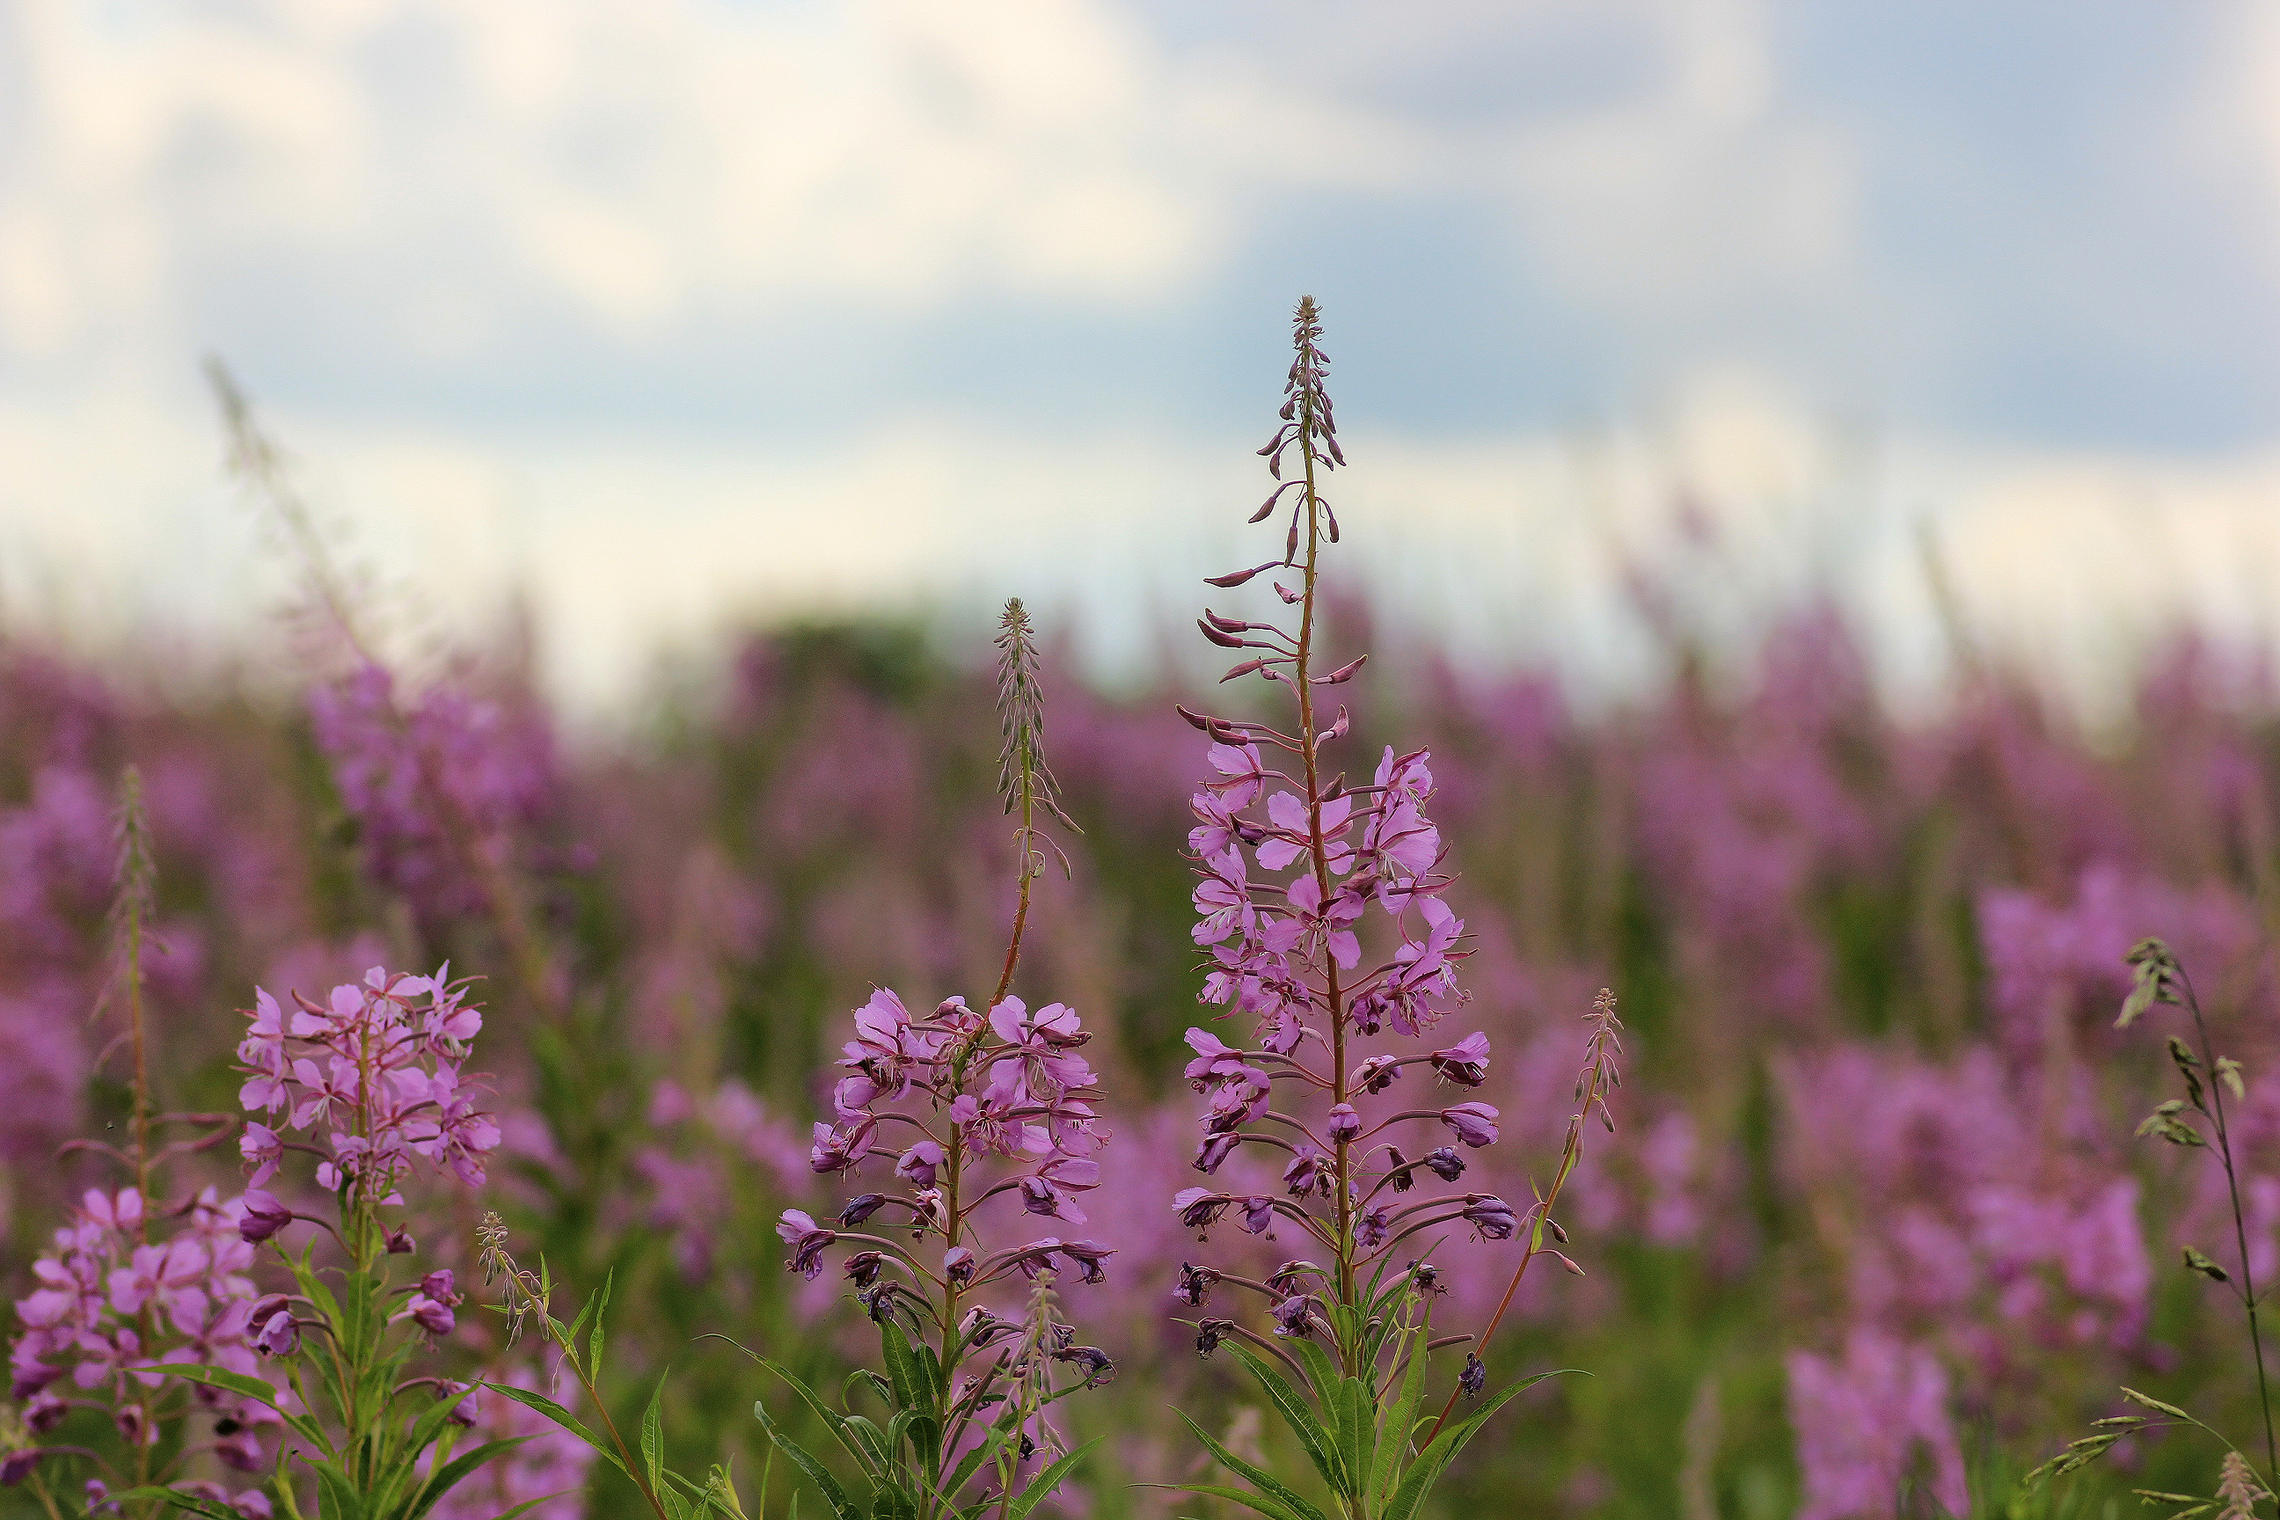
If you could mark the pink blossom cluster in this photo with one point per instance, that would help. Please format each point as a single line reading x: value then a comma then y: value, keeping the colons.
x: 372, y: 1077
x: 984, y: 1122
x: 430, y: 780
x: 125, y: 1289
x: 1870, y: 1425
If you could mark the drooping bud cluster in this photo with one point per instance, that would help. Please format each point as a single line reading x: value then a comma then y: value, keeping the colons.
x: 1291, y: 857
x: 372, y: 1078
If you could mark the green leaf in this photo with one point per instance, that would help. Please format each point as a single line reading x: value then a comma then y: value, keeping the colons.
x: 1291, y: 1405
x: 841, y: 1426
x: 601, y: 1308
x: 1435, y: 1459
x: 247, y: 1387
x: 1400, y: 1422
x: 653, y: 1433
x: 1298, y: 1506
x: 442, y: 1481
x: 1046, y: 1481
x: 559, y: 1416
x: 1248, y: 1498
x: 174, y: 1498
x: 842, y: 1507
x: 1357, y: 1432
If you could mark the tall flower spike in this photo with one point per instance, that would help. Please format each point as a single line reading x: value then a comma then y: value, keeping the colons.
x: 985, y: 1120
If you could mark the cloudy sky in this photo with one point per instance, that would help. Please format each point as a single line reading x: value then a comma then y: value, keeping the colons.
x: 672, y: 313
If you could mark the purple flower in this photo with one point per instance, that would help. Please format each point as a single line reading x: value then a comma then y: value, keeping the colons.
x: 1445, y: 1163
x: 1464, y: 1063
x: 1474, y: 1377
x: 1345, y: 1124
x: 807, y: 1240
x: 1474, y: 1124
x: 1491, y: 1216
x: 264, y: 1216
x: 1307, y: 1172
x: 917, y: 1165
x: 1297, y: 1316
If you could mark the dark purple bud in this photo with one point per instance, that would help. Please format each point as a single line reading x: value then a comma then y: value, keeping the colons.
x: 241, y: 1451
x: 1200, y: 1208
x: 1194, y: 1285
x: 1445, y: 1163
x: 958, y: 1265
x: 441, y: 1285
x: 1307, y: 1171
x: 16, y: 1466
x: 1345, y: 1124
x: 864, y: 1266
x: 1214, y: 1150
x: 44, y: 1413
x: 1210, y: 1333
x: 1377, y: 1073
x: 1491, y: 1216
x: 860, y: 1208
x: 134, y: 1423
x: 1475, y: 1376
x: 1370, y: 1230
x: 1424, y: 1277
x: 400, y: 1242
x: 1089, y: 1258
x: 1258, y: 1214
x: 276, y: 1334
x: 1295, y: 1316
x: 264, y: 1216
x: 1474, y: 1124
x: 1402, y: 1179
x: 431, y: 1315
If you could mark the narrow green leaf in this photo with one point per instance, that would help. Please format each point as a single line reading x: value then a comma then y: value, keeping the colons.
x: 561, y: 1417
x: 446, y: 1477
x: 1046, y: 1481
x: 842, y: 1507
x: 174, y: 1498
x: 1248, y: 1498
x: 601, y: 1304
x: 1299, y: 1506
x: 653, y: 1432
x: 833, y: 1421
x: 1291, y: 1405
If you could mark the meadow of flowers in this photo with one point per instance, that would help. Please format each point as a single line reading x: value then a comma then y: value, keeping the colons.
x: 1050, y: 1038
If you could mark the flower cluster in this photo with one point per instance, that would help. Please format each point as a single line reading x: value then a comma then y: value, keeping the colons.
x: 979, y: 1117
x: 432, y: 780
x: 1291, y: 858
x: 125, y: 1290
x: 373, y: 1078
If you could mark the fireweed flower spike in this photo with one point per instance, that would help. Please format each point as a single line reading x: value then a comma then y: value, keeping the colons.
x: 1320, y: 901
x: 980, y: 1129
x: 139, y: 1284
x: 362, y: 1095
